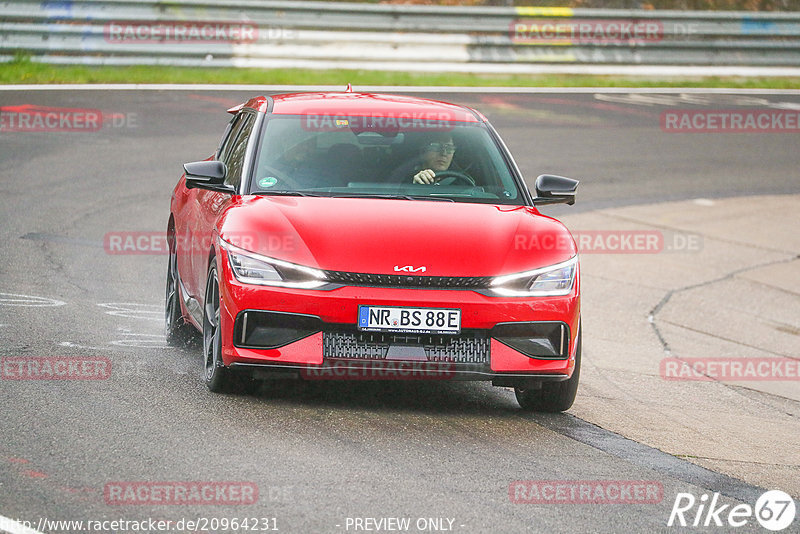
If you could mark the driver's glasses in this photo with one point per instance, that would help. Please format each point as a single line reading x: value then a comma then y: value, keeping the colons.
x: 443, y: 148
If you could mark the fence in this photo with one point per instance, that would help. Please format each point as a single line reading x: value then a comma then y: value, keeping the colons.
x: 277, y: 34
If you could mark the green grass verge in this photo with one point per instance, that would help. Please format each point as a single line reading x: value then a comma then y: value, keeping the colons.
x: 26, y: 72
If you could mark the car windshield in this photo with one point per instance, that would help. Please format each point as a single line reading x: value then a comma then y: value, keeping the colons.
x: 382, y: 157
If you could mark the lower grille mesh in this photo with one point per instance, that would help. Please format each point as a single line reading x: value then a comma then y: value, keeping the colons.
x: 375, y: 346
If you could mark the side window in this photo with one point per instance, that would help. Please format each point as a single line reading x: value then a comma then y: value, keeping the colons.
x: 230, y: 133
x: 233, y: 154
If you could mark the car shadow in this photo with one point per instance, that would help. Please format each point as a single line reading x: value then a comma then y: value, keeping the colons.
x: 429, y: 396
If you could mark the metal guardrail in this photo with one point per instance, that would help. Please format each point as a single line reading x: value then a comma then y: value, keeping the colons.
x: 396, y: 37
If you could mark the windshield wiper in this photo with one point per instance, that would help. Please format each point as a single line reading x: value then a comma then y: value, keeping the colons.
x: 433, y: 197
x: 353, y: 195
x: 288, y: 193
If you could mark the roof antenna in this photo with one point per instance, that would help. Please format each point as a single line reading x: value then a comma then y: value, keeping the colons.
x: 349, y: 88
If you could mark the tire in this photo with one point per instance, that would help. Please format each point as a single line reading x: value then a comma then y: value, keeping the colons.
x: 218, y: 378
x: 552, y: 396
x: 177, y: 331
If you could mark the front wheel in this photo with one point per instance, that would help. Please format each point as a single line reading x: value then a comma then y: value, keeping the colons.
x: 552, y: 396
x: 218, y: 378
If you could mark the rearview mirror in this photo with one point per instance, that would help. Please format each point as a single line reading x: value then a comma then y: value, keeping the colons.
x: 552, y: 189
x: 206, y: 175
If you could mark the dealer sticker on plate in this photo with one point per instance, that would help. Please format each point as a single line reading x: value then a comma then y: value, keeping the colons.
x: 412, y: 320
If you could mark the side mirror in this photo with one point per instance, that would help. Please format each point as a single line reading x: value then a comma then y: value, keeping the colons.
x: 206, y: 175
x: 551, y: 189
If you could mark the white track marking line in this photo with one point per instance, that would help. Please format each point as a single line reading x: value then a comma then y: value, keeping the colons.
x: 14, y: 299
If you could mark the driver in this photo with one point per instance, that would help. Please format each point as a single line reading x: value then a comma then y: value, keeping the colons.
x: 436, y: 156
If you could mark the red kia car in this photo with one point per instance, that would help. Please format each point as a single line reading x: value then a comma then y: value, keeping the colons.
x: 368, y: 236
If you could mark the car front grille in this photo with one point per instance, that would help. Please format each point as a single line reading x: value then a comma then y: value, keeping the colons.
x: 401, y: 280
x: 464, y: 348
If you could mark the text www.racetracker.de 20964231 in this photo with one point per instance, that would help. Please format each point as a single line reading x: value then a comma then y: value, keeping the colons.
x: 148, y: 525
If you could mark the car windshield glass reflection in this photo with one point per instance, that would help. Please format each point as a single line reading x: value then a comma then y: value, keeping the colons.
x: 382, y: 157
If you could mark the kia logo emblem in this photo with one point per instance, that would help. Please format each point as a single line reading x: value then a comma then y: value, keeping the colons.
x: 409, y: 269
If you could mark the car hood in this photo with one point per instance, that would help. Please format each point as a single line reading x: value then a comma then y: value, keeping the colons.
x: 387, y: 236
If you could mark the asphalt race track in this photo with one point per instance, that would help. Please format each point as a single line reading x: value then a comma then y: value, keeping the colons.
x: 324, y: 457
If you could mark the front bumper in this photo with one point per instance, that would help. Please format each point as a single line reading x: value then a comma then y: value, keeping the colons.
x: 313, y: 334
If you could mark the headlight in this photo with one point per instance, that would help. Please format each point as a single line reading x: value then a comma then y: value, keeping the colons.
x: 551, y: 281
x: 251, y: 268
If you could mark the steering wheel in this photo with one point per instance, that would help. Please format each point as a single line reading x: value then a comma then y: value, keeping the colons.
x: 450, y: 177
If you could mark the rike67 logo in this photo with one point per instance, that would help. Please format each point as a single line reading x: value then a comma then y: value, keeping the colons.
x: 774, y: 510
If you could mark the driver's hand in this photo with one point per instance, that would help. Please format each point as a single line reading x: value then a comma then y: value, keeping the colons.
x: 426, y: 176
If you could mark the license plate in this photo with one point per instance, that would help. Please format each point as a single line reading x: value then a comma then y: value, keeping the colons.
x: 412, y: 320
